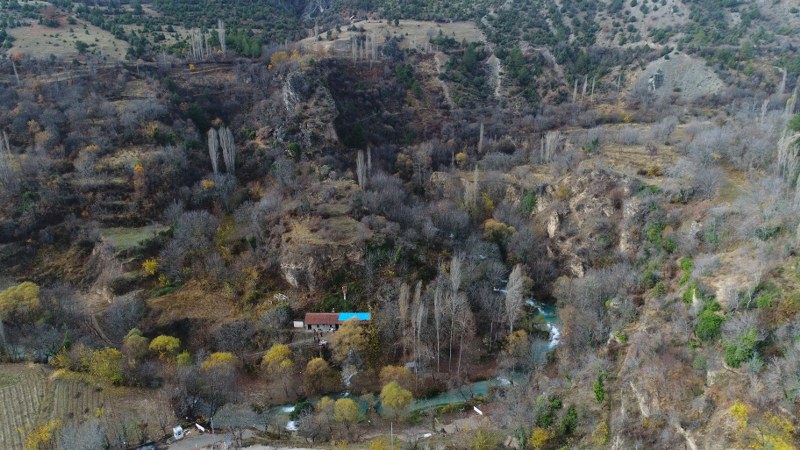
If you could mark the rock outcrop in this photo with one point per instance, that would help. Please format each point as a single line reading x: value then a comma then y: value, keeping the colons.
x: 309, y: 103
x: 586, y: 215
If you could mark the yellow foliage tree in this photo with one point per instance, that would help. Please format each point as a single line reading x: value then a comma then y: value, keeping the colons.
x: 219, y: 360
x: 106, y: 363
x: 318, y: 377
x: 778, y: 433
x: 484, y: 439
x: 20, y: 303
x: 600, y: 434
x: 395, y: 399
x: 184, y: 359
x: 345, y: 411
x: 165, y: 346
x: 516, y: 343
x: 461, y: 159
x: 277, y: 361
x: 399, y: 374
x: 497, y: 231
x: 740, y: 415
x: 150, y: 266
x: 539, y: 438
x: 135, y: 345
x: 42, y: 436
x: 349, y: 336
x: 278, y: 59
x: 379, y: 444
x: 325, y: 404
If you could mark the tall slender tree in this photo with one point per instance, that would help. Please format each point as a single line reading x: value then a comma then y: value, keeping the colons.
x: 221, y: 32
x: 438, y: 306
x: 213, y: 149
x: 514, y: 290
x: 228, y: 149
x: 403, y: 307
x: 361, y: 170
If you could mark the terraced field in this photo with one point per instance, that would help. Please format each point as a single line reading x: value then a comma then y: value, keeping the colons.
x: 75, y: 399
x: 30, y: 396
x: 22, y: 389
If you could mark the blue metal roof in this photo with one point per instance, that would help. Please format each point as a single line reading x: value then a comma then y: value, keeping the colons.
x: 361, y: 316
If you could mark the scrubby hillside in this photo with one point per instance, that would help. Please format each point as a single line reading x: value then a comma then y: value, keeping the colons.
x: 590, y: 240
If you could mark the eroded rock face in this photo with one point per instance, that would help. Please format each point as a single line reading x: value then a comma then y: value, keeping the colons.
x: 587, y: 215
x: 309, y: 103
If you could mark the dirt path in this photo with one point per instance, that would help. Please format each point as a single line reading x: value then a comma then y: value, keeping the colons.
x: 439, y: 70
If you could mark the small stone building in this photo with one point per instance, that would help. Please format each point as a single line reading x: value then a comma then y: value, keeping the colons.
x: 327, y: 322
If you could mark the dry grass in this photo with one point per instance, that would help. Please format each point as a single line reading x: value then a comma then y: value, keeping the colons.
x: 336, y: 231
x: 192, y: 301
x: 39, y: 41
x: 414, y: 33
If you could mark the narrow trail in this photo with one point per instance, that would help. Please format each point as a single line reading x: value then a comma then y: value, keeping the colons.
x: 439, y: 66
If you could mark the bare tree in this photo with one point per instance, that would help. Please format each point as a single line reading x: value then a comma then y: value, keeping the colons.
x: 466, y: 324
x: 575, y: 92
x: 228, y: 149
x: 361, y: 170
x: 5, y: 160
x: 16, y: 75
x: 2, y: 338
x: 551, y: 143
x: 403, y: 306
x: 782, y: 86
x: 471, y: 189
x: 221, y: 33
x: 88, y: 435
x: 456, y: 307
x: 480, y: 141
x: 437, y: 316
x: 514, y: 290
x: 456, y: 272
x: 417, y: 323
x: 213, y: 149
x: 196, y: 41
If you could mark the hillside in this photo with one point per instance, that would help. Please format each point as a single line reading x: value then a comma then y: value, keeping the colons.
x: 565, y: 224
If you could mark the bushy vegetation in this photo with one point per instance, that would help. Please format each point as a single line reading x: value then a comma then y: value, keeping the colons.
x: 266, y: 182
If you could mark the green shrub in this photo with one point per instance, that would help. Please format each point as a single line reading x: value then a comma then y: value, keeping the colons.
x: 689, y: 294
x: 669, y: 245
x: 708, y: 325
x: 528, y: 203
x: 649, y: 279
x: 569, y: 422
x: 300, y: 408
x: 599, y: 388
x: 741, y: 348
x: 687, y: 265
x: 659, y: 290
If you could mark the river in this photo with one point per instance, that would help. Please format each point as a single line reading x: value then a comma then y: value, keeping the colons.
x: 475, y: 389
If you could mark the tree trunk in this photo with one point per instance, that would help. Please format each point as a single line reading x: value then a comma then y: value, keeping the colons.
x: 16, y: 75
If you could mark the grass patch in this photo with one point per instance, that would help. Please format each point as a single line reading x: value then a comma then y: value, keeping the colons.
x: 122, y: 238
